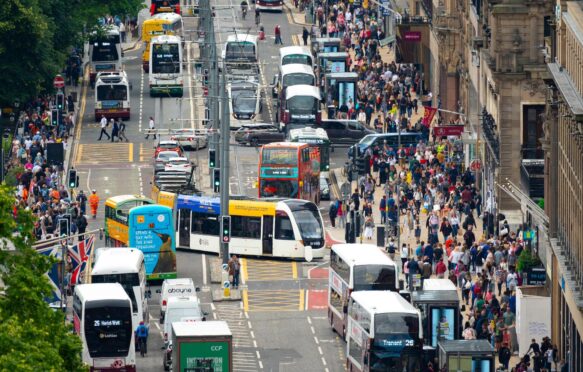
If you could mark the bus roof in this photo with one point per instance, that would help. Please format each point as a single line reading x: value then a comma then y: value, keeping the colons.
x: 101, y: 291
x: 438, y: 285
x: 296, y: 68
x: 296, y: 135
x: 380, y: 302
x: 241, y: 37
x: 294, y: 49
x: 167, y: 16
x: 302, y: 90
x: 113, y: 77
x: 114, y: 201
x: 166, y: 39
x: 250, y: 207
x: 152, y: 208
x: 117, y: 261
x: 294, y: 145
x: 361, y: 254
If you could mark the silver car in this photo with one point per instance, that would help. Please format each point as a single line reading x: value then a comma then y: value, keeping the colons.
x: 190, y: 138
x: 162, y: 158
x: 256, y: 134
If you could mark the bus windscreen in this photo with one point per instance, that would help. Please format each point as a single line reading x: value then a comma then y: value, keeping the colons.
x: 279, y: 156
x: 166, y: 59
x: 128, y: 282
x: 243, y: 49
x: 301, y: 59
x: 104, y: 52
x: 112, y: 93
x: 374, y: 277
x: 108, y: 330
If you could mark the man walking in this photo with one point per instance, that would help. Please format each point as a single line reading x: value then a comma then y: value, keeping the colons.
x: 151, y: 126
x: 122, y: 131
x: 94, y: 203
x: 103, y: 123
x: 234, y: 270
x: 82, y: 201
x: 278, y: 35
x: 305, y: 34
x: 81, y: 226
x: 114, y: 131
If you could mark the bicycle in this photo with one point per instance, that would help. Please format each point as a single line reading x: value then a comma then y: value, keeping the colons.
x: 142, y: 342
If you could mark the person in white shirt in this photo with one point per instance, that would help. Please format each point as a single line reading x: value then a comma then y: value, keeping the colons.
x: 103, y: 128
x: 152, y: 126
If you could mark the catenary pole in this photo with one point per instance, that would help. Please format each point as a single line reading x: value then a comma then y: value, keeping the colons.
x: 225, y: 137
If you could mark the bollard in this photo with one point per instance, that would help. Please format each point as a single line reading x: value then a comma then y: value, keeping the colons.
x: 226, y: 289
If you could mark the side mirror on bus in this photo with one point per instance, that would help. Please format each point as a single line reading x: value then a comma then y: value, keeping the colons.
x: 158, y: 291
x: 197, y: 289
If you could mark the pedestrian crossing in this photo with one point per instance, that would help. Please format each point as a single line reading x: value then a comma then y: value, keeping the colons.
x: 104, y: 153
x: 274, y: 300
x: 244, y: 347
x: 262, y: 270
x: 146, y: 152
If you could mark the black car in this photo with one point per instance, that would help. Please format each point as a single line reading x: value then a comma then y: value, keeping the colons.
x: 345, y: 131
x: 256, y: 134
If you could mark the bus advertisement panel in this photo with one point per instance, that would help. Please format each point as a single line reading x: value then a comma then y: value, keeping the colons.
x: 289, y: 170
x: 117, y: 210
x: 151, y: 230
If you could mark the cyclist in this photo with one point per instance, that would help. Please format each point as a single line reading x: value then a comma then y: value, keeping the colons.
x: 142, y: 337
x: 244, y: 7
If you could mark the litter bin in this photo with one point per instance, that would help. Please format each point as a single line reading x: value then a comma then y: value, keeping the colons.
x: 381, y: 236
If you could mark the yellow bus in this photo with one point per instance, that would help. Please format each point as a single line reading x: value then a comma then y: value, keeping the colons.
x: 117, y: 211
x: 159, y: 24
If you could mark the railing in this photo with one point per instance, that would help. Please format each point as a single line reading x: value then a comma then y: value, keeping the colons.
x: 413, y: 20
x: 489, y: 129
x: 427, y: 6
x: 532, y: 153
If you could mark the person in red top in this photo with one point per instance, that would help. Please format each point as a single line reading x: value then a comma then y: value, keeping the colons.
x: 440, y: 269
x: 278, y: 35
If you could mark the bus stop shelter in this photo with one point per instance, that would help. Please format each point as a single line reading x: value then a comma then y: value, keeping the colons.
x: 342, y: 87
x: 466, y: 356
x: 440, y: 311
x: 326, y: 44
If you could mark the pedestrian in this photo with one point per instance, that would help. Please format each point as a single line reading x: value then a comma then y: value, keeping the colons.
x: 341, y: 213
x: 104, y: 123
x: 333, y: 212
x: 234, y: 271
x: 305, y: 35
x: 122, y: 131
x: 404, y: 255
x: 152, y: 127
x: 114, y: 130
x: 122, y: 32
x: 278, y: 35
x: 257, y: 16
x: 369, y: 228
x: 504, y: 355
x: 81, y: 226
x: 142, y: 337
x: 94, y: 203
x: 82, y: 201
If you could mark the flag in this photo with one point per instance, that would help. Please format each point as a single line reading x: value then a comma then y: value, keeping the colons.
x: 53, y: 274
x: 79, y: 255
x: 428, y: 114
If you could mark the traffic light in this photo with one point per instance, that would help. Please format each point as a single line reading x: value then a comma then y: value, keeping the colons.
x: 205, y: 75
x: 212, y: 158
x: 73, y: 180
x: 64, y: 226
x: 54, y: 117
x: 60, y: 101
x: 216, y: 180
x: 361, y: 166
x: 226, y: 228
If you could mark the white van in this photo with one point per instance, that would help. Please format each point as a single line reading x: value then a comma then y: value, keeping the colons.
x: 174, y: 288
x: 183, y: 308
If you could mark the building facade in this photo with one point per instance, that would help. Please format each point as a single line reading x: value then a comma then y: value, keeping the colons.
x: 563, y: 145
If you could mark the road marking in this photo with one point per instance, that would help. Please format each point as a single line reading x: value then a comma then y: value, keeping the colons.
x: 316, y: 341
x: 245, y: 300
x: 245, y: 276
x: 302, y: 296
x: 131, y: 153
x: 294, y: 270
x: 267, y: 270
x: 81, y: 113
x: 323, y: 361
x: 204, y: 279
x: 103, y: 153
x: 141, y: 116
x: 146, y: 152
x: 319, y: 349
x: 273, y: 300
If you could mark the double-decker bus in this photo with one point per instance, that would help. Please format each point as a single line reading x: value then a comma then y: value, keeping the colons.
x: 112, y: 95
x: 356, y: 267
x: 105, y: 52
x: 166, y: 79
x: 126, y: 267
x: 117, y: 211
x: 273, y: 5
x: 159, y: 24
x: 384, y: 333
x: 273, y: 228
x: 165, y: 6
x: 289, y: 170
x: 102, y: 318
x: 290, y: 75
x: 299, y: 107
x: 317, y: 138
x: 295, y: 55
x: 151, y: 230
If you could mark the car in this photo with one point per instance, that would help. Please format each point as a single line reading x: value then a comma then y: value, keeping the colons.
x: 344, y: 131
x: 168, y: 145
x: 324, y: 188
x: 255, y: 134
x: 190, y: 138
x: 180, y: 164
x: 162, y: 158
x: 391, y: 139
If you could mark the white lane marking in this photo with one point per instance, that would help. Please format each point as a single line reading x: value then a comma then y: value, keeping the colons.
x: 141, y: 101
x: 252, y: 334
x: 316, y: 341
x: 309, y: 320
x: 313, y: 330
x: 323, y: 361
x: 204, y: 280
x: 88, y: 178
x: 320, y: 350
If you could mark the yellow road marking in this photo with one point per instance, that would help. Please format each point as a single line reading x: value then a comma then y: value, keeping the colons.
x: 294, y: 270
x: 245, y: 299
x: 273, y: 300
x: 81, y: 114
x: 97, y: 153
x: 289, y: 16
x: 263, y: 270
x: 244, y: 271
x: 131, y: 152
x: 302, y: 300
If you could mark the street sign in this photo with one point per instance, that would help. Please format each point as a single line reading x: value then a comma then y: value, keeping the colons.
x: 59, y: 82
x: 448, y: 130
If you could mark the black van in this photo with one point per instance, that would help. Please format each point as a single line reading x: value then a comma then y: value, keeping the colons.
x: 344, y: 131
x: 392, y: 139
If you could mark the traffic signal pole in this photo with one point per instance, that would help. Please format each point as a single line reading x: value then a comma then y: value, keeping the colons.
x: 225, y: 137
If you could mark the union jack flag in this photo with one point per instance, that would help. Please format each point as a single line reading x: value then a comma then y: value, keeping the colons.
x: 79, y: 255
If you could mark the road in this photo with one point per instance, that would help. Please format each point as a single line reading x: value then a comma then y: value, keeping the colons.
x: 281, y: 323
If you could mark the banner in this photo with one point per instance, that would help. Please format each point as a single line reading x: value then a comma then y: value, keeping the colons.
x: 428, y: 114
x: 448, y: 130
x: 79, y: 255
x: 54, y: 272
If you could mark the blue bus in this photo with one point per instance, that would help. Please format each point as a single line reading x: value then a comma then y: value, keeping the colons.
x: 151, y: 230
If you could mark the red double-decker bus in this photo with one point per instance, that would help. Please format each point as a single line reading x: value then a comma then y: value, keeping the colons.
x: 165, y: 6
x: 275, y: 5
x: 289, y: 170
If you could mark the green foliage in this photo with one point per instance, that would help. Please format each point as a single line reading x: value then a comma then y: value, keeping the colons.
x: 37, y: 35
x: 32, y: 336
x: 527, y: 260
x: 12, y: 175
x: 541, y: 203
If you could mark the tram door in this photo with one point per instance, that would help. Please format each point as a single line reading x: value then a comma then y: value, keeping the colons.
x: 267, y: 235
x: 184, y: 228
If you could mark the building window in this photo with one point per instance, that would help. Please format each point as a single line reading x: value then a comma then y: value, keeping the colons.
x: 477, y: 4
x: 532, y: 131
x: 547, y: 26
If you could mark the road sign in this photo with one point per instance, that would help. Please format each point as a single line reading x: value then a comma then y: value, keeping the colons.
x: 59, y: 82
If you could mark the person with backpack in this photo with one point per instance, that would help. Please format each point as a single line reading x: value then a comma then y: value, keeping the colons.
x: 333, y: 212
x: 142, y: 337
x: 81, y: 225
x: 234, y: 271
x: 504, y: 355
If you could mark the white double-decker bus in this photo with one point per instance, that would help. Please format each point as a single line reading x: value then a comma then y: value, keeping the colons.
x: 384, y: 333
x: 112, y: 95
x: 356, y: 267
x: 166, y: 72
x: 126, y: 267
x: 102, y: 317
x: 295, y: 55
x: 105, y: 52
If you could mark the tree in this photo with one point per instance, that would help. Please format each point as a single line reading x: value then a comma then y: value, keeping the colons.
x: 33, y: 337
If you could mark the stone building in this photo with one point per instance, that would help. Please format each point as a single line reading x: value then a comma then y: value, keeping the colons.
x: 563, y: 145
